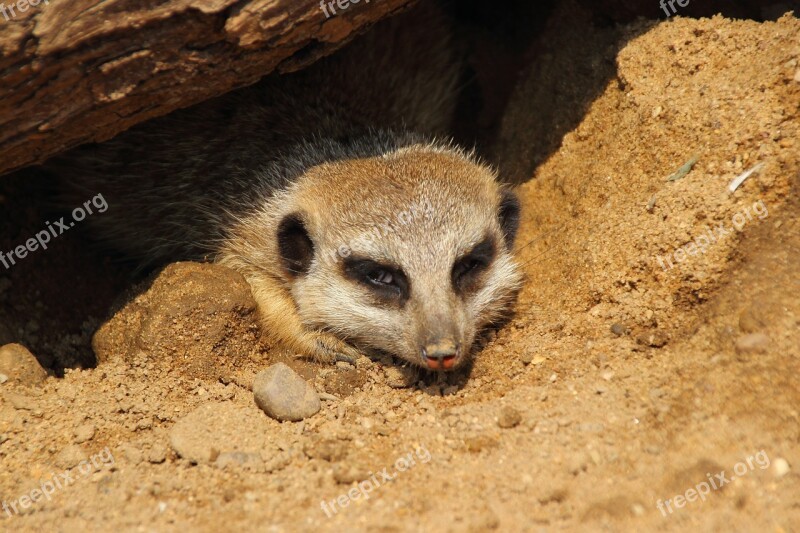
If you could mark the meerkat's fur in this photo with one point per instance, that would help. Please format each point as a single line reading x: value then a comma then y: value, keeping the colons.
x: 354, y: 233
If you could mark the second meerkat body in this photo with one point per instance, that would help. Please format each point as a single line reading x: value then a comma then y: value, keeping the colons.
x: 355, y: 230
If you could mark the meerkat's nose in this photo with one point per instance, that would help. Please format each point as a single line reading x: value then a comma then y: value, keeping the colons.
x: 441, y: 355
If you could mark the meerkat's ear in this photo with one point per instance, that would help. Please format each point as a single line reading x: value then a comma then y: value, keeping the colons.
x: 509, y: 213
x: 294, y: 245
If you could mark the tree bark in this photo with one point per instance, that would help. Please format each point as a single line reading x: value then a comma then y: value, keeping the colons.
x: 78, y: 71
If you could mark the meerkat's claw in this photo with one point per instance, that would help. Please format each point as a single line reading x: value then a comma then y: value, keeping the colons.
x: 345, y: 359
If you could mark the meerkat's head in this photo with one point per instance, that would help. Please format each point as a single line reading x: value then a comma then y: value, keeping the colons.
x: 407, y: 253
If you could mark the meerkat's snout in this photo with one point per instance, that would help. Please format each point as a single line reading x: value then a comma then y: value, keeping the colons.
x: 443, y: 354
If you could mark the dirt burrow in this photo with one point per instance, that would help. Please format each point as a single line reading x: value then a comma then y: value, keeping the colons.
x: 619, y: 383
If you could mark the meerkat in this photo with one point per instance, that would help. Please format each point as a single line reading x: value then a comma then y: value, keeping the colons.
x: 357, y: 230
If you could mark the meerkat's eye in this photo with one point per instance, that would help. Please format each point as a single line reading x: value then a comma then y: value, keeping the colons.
x: 385, y: 280
x: 381, y: 277
x: 468, y: 268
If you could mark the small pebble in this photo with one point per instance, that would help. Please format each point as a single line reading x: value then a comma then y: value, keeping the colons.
x: 780, y: 467
x: 654, y: 339
x: 509, y: 417
x: 619, y: 329
x: 132, y: 454
x: 328, y: 397
x: 70, y: 457
x: 285, y: 396
x: 157, y: 454
x: 84, y: 432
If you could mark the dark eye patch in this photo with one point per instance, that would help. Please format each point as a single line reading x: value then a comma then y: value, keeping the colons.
x: 467, y: 270
x: 387, y: 281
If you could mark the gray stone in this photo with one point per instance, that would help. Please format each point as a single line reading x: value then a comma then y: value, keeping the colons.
x: 281, y: 393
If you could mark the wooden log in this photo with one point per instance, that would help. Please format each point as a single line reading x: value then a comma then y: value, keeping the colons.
x: 78, y: 71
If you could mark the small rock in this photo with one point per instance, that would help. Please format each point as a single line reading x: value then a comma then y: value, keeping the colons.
x: 70, y: 457
x: 780, y: 467
x: 526, y: 357
x: 509, y: 417
x: 132, y: 454
x: 84, y: 432
x: 282, y: 394
x: 3, y: 378
x: 654, y: 339
x: 619, y: 329
x: 20, y: 365
x: 157, y: 454
x: 400, y: 377
x: 752, y: 342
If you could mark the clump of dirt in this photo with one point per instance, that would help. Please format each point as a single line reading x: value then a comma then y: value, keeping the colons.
x: 631, y: 375
x: 200, y: 318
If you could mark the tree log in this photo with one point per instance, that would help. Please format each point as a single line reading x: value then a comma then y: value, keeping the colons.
x: 78, y: 71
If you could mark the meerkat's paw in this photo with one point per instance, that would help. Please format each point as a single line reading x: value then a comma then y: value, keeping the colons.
x: 327, y: 348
